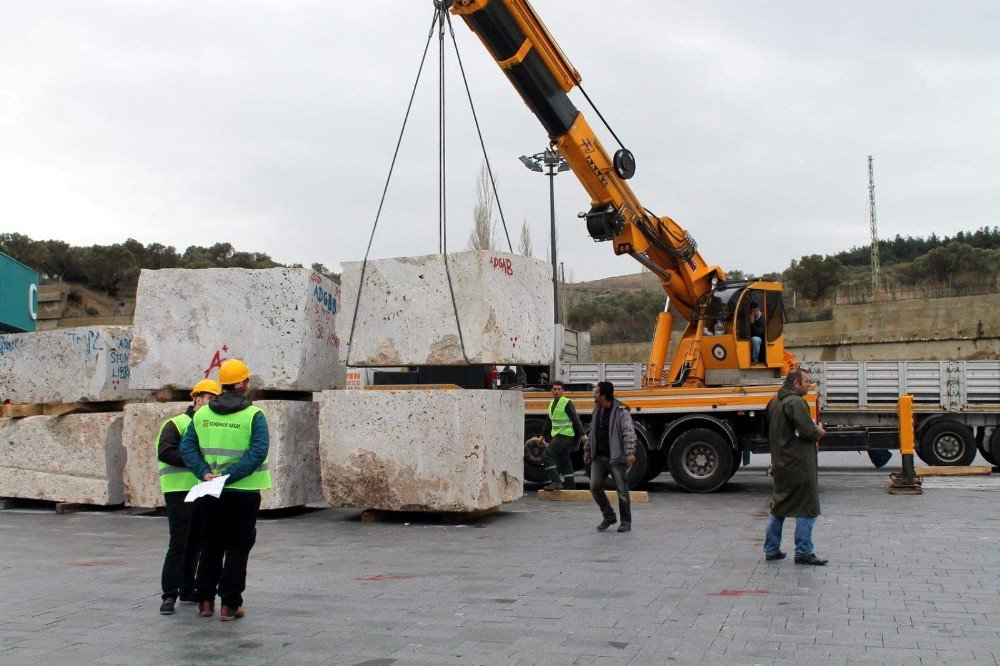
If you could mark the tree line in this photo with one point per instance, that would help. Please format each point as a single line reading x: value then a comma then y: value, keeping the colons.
x: 965, y: 258
x: 114, y: 269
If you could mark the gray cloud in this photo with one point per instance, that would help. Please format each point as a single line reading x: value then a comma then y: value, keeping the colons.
x: 271, y: 125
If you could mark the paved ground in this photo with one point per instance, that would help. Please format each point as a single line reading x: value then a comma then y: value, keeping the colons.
x: 912, y: 580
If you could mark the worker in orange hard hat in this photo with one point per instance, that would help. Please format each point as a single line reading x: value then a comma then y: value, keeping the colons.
x: 229, y: 437
x: 181, y: 561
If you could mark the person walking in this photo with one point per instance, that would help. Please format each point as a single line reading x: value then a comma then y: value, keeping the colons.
x: 184, y: 518
x: 609, y: 448
x: 562, y: 430
x: 229, y: 436
x: 793, y: 438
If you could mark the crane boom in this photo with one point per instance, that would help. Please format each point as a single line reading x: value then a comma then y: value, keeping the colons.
x: 542, y: 74
x: 539, y: 70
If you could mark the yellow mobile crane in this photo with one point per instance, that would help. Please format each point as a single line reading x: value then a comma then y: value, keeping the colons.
x: 703, y: 413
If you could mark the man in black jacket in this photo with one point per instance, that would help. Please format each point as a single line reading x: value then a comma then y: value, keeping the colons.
x: 756, y: 333
x: 181, y: 561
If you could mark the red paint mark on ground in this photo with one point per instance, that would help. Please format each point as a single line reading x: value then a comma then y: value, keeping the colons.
x: 737, y: 593
x: 98, y: 563
x: 379, y: 578
x: 757, y: 544
x: 759, y: 515
x: 45, y: 522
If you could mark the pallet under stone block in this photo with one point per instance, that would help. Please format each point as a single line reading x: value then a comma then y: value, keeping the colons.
x: 294, y: 454
x: 439, y: 450
x: 76, y: 459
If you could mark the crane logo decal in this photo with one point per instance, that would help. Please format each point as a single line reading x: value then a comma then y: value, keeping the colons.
x: 719, y: 352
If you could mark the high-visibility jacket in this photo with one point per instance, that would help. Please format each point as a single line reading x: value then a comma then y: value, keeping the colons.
x: 174, y: 479
x: 224, y: 439
x: 562, y: 424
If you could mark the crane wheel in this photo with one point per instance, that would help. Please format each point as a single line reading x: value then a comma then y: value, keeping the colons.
x: 701, y: 460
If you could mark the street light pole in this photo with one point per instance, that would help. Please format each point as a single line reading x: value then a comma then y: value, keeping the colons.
x: 555, y: 164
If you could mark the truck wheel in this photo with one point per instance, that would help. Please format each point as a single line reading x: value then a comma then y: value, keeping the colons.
x: 995, y: 444
x: 534, y: 470
x: 947, y: 443
x: 636, y: 475
x: 701, y: 460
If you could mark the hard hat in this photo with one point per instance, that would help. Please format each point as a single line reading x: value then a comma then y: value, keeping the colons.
x: 206, y: 386
x: 233, y: 371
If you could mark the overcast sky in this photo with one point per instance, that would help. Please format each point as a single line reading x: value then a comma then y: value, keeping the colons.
x: 271, y: 124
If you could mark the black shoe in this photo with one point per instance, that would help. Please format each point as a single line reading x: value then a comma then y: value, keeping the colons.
x: 606, y: 523
x: 775, y: 556
x: 167, y: 607
x: 810, y: 559
x: 625, y: 527
x: 184, y: 599
x: 552, y: 487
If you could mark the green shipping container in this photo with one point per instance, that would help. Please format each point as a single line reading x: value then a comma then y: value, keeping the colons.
x: 18, y: 296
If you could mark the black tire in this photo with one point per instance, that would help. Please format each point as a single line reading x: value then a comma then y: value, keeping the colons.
x: 534, y: 470
x: 701, y: 460
x: 657, y: 464
x: 947, y: 443
x: 636, y: 475
x: 995, y: 445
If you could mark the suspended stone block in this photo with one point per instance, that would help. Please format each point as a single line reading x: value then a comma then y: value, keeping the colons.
x: 77, y: 458
x: 406, y: 316
x: 89, y: 364
x: 420, y: 450
x: 279, y: 321
x: 294, y: 453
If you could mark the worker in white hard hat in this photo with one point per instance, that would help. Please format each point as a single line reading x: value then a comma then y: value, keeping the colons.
x: 184, y: 518
x: 229, y: 437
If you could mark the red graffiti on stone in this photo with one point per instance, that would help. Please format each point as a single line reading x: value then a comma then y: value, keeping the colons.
x: 217, y: 360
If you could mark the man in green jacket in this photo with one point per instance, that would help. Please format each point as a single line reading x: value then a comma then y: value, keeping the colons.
x: 184, y: 518
x: 793, y: 437
x: 562, y: 430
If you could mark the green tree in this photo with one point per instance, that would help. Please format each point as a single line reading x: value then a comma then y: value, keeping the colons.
x: 110, y: 268
x: 814, y: 276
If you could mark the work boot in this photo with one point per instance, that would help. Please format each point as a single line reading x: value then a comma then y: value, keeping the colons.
x: 810, y: 559
x: 606, y: 523
x: 228, y: 613
x: 552, y: 486
x: 206, y: 608
x: 771, y: 557
x: 625, y: 527
x: 167, y: 607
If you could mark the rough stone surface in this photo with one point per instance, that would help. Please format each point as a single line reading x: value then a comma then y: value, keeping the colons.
x: 67, y: 365
x: 76, y: 458
x: 406, y: 317
x: 421, y: 450
x: 294, y: 453
x: 279, y: 321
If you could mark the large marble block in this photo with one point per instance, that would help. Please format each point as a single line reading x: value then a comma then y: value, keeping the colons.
x: 67, y: 365
x: 279, y: 321
x: 76, y: 458
x: 293, y: 456
x: 421, y: 450
x: 406, y: 316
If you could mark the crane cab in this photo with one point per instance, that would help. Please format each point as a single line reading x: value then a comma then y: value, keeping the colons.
x: 717, y: 346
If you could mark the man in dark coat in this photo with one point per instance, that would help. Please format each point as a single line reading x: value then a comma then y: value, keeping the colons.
x: 793, y: 437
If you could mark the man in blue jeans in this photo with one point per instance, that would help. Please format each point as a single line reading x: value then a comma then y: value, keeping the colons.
x: 793, y: 438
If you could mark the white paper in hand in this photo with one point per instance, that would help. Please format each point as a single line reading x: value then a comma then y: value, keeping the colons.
x: 213, y: 488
